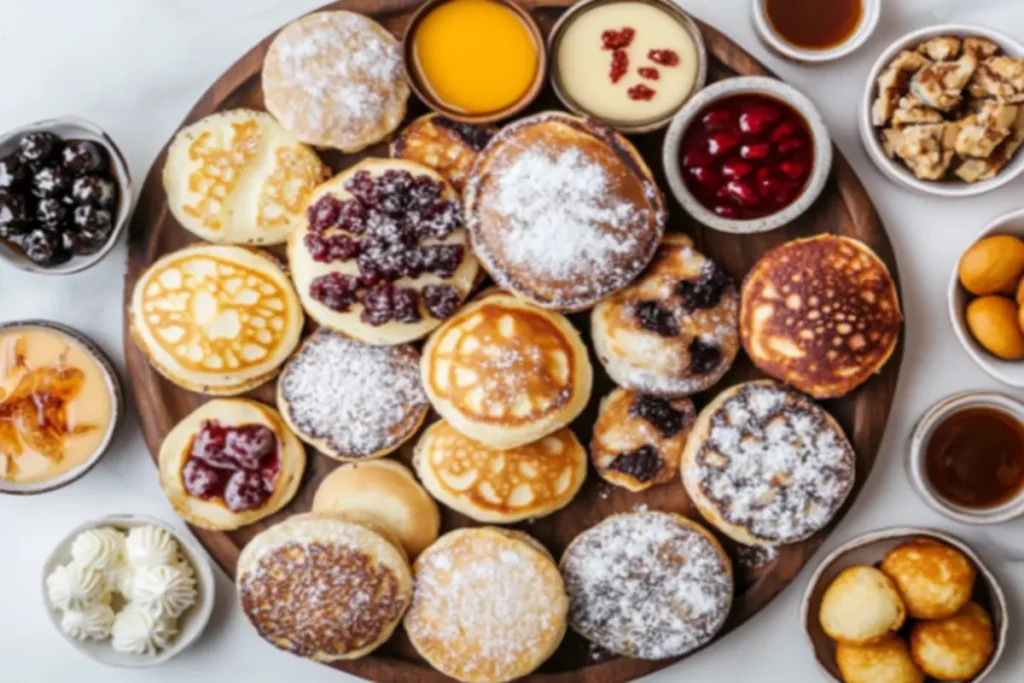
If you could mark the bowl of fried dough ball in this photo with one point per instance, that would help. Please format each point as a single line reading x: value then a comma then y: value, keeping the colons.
x: 905, y: 605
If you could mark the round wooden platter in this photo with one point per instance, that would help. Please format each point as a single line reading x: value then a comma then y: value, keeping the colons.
x: 844, y: 208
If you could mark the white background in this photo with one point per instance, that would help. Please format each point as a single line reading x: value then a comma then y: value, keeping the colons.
x: 137, y: 66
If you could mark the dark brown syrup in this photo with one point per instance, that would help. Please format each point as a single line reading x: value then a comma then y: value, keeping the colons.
x: 814, y: 24
x: 975, y: 458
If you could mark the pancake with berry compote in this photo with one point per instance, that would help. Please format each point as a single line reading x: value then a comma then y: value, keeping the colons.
x: 383, y: 257
x: 675, y: 331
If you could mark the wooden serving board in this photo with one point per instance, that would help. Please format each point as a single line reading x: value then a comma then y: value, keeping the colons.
x: 844, y: 208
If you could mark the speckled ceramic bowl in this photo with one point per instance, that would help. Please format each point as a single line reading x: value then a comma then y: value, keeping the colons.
x: 116, y: 408
x: 739, y: 86
x: 190, y: 624
x: 73, y: 128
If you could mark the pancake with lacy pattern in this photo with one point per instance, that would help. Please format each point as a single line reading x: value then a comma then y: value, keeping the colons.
x: 506, y: 373
x: 820, y: 314
x: 648, y: 585
x: 449, y: 147
x: 238, y: 177
x: 349, y: 400
x: 336, y: 80
x: 215, y: 319
x: 230, y: 463
x: 500, y: 486
x: 675, y: 331
x: 766, y: 465
x: 323, y: 588
x: 563, y: 211
x: 638, y: 438
x: 488, y: 605
x: 383, y: 257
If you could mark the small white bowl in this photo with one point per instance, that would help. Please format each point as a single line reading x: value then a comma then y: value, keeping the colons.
x: 739, y: 86
x: 918, y: 446
x: 868, y: 22
x: 190, y: 624
x: 870, y: 549
x: 73, y: 128
x: 116, y: 408
x: 1008, y: 372
x: 894, y: 168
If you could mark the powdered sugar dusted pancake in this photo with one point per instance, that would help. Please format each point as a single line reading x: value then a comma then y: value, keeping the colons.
x: 350, y: 400
x: 488, y: 605
x: 820, y: 314
x: 336, y: 80
x: 766, y: 465
x: 563, y: 211
x: 639, y: 438
x: 323, y: 588
x: 649, y: 585
x: 675, y: 331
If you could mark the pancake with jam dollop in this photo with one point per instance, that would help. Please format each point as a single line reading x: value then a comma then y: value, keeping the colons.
x: 820, y: 314
x: 562, y: 211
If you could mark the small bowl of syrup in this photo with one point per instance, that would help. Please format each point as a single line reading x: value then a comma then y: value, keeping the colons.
x: 966, y: 457
x: 815, y: 30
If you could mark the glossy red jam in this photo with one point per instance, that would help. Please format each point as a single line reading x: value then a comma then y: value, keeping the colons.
x: 237, y: 464
x: 747, y: 156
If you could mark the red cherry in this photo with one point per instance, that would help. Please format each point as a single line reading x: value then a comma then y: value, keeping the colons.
x: 725, y: 211
x: 787, y: 191
x: 757, y: 150
x: 768, y: 186
x: 718, y: 119
x: 784, y: 130
x: 790, y: 145
x: 742, y: 193
x: 793, y: 169
x: 697, y: 156
x: 721, y: 142
x: 706, y: 176
x: 736, y: 168
x: 757, y: 119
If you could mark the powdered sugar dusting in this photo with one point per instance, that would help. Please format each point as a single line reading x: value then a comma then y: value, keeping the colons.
x: 774, y: 464
x: 484, y: 606
x: 359, y: 399
x: 646, y: 585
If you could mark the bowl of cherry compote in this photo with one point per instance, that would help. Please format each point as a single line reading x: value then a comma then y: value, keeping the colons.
x: 65, y: 196
x: 747, y: 155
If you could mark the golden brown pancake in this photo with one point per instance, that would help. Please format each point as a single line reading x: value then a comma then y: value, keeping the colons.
x: 956, y: 648
x: 887, y: 661
x: 562, y: 211
x: 935, y: 580
x: 449, y: 147
x: 821, y: 314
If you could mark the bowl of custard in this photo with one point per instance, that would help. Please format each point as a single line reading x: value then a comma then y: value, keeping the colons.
x: 475, y: 61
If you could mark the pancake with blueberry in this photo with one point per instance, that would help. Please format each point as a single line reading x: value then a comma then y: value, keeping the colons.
x: 382, y: 256
x: 821, y: 314
x: 449, y: 147
x: 674, y: 332
x: 639, y: 438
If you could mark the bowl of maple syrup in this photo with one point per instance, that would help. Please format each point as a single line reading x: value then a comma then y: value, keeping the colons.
x: 815, y: 30
x: 966, y: 457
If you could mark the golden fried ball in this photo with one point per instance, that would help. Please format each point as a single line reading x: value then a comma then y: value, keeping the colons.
x: 887, y: 661
x: 954, y: 649
x: 861, y: 606
x: 935, y: 580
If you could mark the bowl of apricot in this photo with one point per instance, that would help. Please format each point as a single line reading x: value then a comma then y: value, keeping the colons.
x: 747, y: 155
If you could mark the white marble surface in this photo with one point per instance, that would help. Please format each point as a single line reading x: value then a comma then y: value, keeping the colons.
x: 137, y: 66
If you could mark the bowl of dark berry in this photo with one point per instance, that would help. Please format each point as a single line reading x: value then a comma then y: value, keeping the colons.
x: 65, y: 196
x: 747, y: 155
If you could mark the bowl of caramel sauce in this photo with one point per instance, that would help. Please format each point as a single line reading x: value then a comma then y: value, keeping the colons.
x: 815, y: 30
x: 966, y: 457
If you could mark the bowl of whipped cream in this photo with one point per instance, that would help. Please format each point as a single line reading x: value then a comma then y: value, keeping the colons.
x: 127, y: 590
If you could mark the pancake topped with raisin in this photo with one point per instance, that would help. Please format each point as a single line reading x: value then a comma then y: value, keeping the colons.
x: 821, y: 314
x: 674, y: 331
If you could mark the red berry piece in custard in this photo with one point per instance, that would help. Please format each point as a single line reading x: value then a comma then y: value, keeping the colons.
x: 641, y: 92
x: 664, y: 57
x: 648, y: 72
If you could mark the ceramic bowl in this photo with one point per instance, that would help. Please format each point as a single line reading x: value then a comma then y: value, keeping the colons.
x: 190, y: 624
x: 72, y: 128
x: 893, y: 168
x: 737, y: 86
x: 555, y: 37
x: 1006, y: 371
x: 918, y: 446
x: 116, y: 410
x: 423, y: 91
x: 870, y: 549
x: 771, y: 38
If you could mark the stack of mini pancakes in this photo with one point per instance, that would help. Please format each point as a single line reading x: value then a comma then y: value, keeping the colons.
x: 564, y: 216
